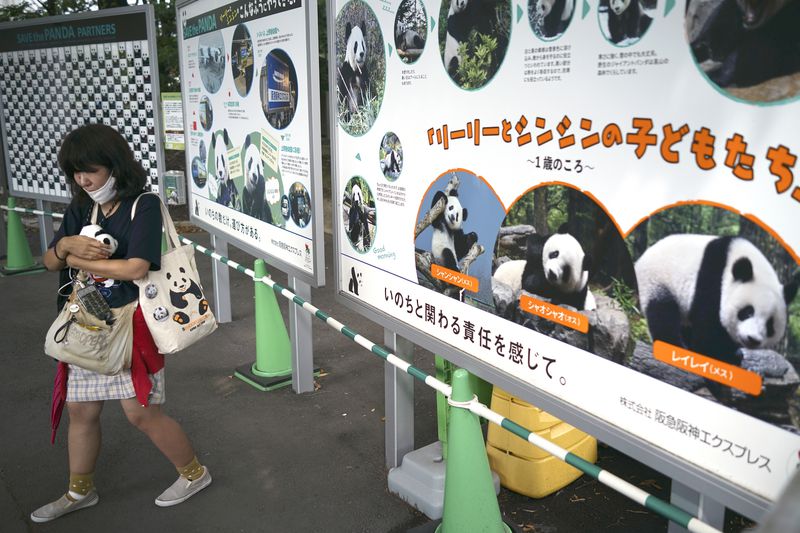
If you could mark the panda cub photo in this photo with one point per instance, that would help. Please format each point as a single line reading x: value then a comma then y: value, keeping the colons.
x: 555, y: 267
x: 449, y: 243
x: 712, y: 295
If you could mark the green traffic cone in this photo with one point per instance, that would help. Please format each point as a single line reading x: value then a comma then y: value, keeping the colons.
x: 470, y: 503
x: 444, y: 373
x: 18, y: 254
x: 273, y: 347
x: 273, y: 366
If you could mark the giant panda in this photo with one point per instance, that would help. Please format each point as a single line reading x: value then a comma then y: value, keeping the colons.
x: 555, y: 267
x: 449, y: 243
x: 390, y: 164
x: 219, y: 144
x: 406, y: 38
x: 742, y: 43
x: 353, y: 78
x: 358, y: 224
x: 254, y: 202
x: 712, y: 295
x: 459, y: 24
x: 626, y: 20
x: 552, y: 16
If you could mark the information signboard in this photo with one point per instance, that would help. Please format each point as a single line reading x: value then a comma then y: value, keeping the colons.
x: 594, y: 204
x: 250, y: 85
x: 172, y: 112
x: 58, y: 73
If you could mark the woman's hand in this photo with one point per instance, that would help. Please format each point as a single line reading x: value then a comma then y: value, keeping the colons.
x: 84, y: 248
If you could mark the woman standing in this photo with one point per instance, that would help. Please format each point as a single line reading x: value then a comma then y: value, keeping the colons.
x: 100, y: 169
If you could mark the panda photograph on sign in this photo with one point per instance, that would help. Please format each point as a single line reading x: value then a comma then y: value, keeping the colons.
x: 261, y: 183
x: 254, y: 199
x: 410, y: 30
x: 221, y: 187
x: 390, y: 155
x: 717, y: 284
x: 624, y: 22
x: 549, y: 19
x: 749, y: 50
x: 559, y: 246
x: 360, y: 67
x: 359, y: 215
x: 473, y: 39
x: 456, y: 225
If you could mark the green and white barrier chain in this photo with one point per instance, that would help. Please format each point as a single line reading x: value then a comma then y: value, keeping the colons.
x: 33, y: 211
x: 657, y: 505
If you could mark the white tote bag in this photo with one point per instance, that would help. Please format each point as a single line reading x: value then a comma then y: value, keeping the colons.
x: 172, y: 300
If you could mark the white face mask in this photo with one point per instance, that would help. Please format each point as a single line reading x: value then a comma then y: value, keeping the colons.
x: 106, y: 193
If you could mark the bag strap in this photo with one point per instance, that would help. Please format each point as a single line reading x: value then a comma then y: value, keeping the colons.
x: 173, y: 241
x: 95, y: 209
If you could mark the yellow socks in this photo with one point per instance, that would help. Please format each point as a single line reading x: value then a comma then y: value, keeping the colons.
x: 191, y: 471
x: 80, y: 485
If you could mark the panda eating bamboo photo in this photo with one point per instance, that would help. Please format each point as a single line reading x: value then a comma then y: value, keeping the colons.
x: 358, y: 224
x: 353, y: 76
x: 712, y: 295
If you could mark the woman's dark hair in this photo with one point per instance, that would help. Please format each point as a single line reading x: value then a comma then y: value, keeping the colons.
x: 85, y: 148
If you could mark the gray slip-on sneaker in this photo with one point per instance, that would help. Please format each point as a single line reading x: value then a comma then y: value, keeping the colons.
x: 183, y: 489
x: 62, y: 506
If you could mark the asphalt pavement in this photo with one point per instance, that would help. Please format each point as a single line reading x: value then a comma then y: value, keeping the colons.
x: 281, y: 462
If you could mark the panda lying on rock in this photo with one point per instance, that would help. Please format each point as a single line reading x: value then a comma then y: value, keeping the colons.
x: 555, y: 267
x: 712, y: 295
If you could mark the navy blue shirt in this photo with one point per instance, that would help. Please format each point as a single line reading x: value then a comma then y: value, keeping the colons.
x: 140, y: 237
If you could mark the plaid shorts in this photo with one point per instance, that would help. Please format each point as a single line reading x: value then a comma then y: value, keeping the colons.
x: 87, y: 386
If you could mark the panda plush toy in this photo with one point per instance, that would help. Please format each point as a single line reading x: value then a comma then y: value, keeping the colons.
x: 95, y: 231
x: 449, y: 243
x: 353, y: 78
x: 555, y: 267
x: 712, y: 295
